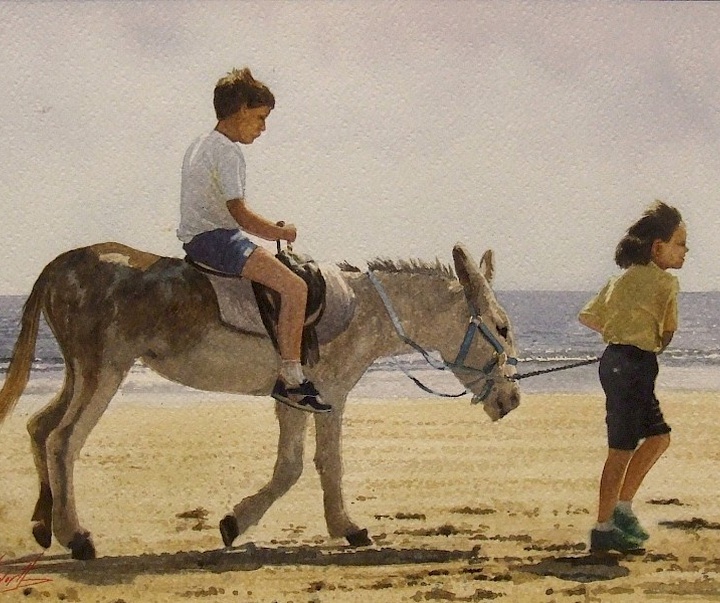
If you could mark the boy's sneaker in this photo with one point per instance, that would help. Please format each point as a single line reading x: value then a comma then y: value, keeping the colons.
x: 629, y: 524
x: 602, y: 541
x: 303, y: 396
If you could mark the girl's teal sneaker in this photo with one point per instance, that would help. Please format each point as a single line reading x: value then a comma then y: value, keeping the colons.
x: 629, y: 524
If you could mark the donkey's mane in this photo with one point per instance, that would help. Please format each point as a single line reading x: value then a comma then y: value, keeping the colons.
x: 412, y: 266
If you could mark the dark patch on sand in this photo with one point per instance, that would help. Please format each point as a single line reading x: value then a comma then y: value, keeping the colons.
x: 203, y: 592
x: 443, y: 530
x: 666, y: 501
x: 558, y: 548
x: 200, y: 515
x: 656, y: 557
x: 473, y: 511
x: 442, y: 594
x: 511, y: 538
x: 696, y: 523
x: 403, y: 516
x: 707, y: 589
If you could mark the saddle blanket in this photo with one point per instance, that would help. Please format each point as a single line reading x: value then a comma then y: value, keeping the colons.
x: 239, y: 309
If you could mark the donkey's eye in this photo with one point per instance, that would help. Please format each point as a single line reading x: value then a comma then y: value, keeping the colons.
x: 503, y: 332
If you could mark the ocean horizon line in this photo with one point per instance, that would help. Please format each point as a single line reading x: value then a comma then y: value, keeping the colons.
x: 544, y: 323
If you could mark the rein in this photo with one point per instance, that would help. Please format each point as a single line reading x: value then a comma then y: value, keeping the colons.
x: 475, y: 325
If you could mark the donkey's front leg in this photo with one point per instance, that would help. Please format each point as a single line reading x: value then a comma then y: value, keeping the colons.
x: 328, y: 462
x: 288, y: 468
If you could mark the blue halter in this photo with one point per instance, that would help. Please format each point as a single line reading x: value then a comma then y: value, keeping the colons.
x: 475, y: 324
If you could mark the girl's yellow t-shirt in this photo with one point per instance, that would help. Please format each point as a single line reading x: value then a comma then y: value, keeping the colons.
x: 636, y: 307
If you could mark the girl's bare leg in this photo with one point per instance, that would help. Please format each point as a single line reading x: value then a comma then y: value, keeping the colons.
x: 641, y: 462
x: 611, y: 481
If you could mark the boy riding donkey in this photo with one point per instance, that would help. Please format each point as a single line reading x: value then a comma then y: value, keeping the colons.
x: 214, y: 220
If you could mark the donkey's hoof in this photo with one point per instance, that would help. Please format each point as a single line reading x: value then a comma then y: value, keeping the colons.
x: 229, y: 529
x: 42, y: 535
x: 82, y: 547
x: 359, y: 538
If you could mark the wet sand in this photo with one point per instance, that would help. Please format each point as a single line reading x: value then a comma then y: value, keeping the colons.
x: 460, y: 509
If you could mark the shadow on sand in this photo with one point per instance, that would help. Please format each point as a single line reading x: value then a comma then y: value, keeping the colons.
x: 584, y: 568
x: 123, y: 570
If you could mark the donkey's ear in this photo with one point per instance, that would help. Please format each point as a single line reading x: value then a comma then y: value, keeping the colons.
x: 468, y: 272
x: 487, y: 265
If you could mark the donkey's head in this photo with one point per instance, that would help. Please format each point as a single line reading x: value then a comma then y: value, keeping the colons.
x: 485, y: 369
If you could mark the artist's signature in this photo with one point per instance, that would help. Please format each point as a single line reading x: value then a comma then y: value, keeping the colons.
x: 16, y: 578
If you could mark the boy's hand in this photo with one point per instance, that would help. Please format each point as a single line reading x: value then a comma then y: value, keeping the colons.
x: 289, y: 233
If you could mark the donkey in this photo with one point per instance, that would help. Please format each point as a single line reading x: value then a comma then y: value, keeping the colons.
x: 109, y: 305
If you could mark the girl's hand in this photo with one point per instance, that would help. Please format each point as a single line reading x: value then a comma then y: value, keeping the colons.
x: 666, y: 339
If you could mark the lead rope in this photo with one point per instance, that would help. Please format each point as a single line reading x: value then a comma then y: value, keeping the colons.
x: 556, y: 368
x: 440, y: 365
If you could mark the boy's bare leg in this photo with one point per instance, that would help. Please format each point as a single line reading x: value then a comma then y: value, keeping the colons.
x: 641, y: 462
x: 291, y: 387
x: 611, y: 481
x: 262, y: 267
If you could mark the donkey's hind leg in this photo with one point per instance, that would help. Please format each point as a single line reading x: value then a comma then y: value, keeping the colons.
x: 40, y: 425
x: 288, y: 468
x: 95, y: 386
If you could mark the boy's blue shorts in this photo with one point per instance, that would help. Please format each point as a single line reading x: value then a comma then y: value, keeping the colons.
x: 224, y: 250
x: 627, y: 375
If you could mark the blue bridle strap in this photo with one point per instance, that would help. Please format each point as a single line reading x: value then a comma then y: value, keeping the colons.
x: 476, y: 324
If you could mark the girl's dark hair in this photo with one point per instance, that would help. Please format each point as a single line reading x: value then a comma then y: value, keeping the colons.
x: 658, y: 222
x: 237, y: 89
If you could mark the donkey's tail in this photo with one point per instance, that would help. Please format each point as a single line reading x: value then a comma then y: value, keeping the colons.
x: 24, y: 351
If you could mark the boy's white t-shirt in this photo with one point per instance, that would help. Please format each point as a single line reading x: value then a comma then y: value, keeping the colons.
x: 213, y: 173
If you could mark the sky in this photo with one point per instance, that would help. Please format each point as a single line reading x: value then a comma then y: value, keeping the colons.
x: 541, y: 130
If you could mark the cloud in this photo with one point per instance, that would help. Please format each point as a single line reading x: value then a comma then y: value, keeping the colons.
x: 539, y: 129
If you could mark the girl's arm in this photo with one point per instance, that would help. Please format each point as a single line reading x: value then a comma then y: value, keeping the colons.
x: 670, y: 320
x: 594, y: 312
x: 590, y: 322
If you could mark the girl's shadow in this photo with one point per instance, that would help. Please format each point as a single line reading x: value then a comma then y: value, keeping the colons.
x: 585, y: 568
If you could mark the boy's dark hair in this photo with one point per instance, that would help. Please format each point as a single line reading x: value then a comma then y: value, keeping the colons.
x: 658, y: 222
x: 237, y: 89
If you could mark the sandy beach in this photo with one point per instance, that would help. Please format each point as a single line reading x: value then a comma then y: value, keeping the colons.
x: 460, y: 509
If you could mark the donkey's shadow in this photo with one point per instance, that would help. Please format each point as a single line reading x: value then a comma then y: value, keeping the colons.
x: 105, y: 571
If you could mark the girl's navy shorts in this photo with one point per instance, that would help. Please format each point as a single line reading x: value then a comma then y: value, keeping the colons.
x: 627, y: 375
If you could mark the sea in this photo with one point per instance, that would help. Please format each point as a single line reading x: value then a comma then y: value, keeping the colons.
x: 547, y: 335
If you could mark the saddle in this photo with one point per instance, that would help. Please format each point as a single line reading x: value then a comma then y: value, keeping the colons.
x: 255, y: 309
x: 269, y: 303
